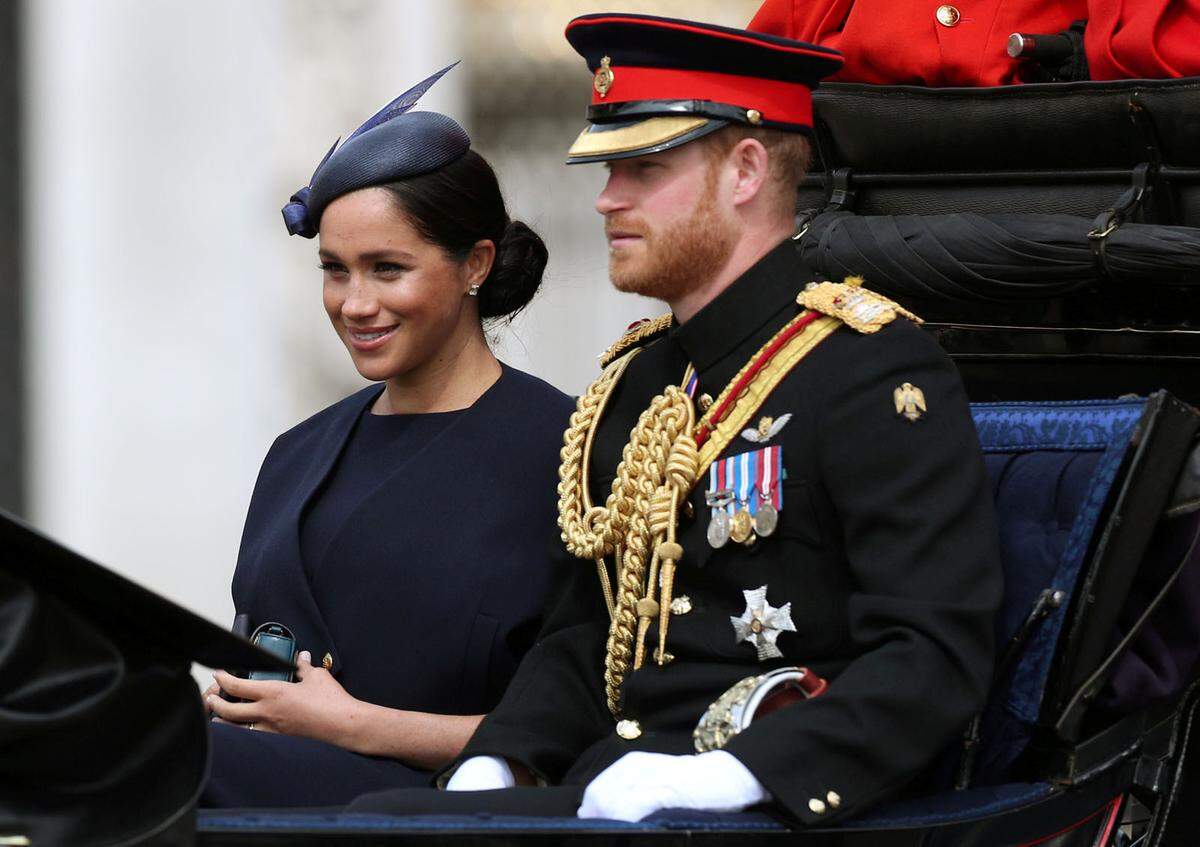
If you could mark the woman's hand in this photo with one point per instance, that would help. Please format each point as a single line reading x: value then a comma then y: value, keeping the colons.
x: 314, y: 707
x: 318, y: 707
x: 213, y: 690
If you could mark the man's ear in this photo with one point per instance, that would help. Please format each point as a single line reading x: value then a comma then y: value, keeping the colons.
x: 750, y: 160
x: 479, y: 261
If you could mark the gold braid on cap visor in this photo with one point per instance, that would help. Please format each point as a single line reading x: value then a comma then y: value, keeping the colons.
x: 645, y: 133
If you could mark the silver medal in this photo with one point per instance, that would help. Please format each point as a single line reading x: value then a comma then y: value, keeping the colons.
x: 766, y: 518
x: 718, y: 528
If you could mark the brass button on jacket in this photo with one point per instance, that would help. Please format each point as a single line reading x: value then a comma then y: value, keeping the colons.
x: 948, y: 15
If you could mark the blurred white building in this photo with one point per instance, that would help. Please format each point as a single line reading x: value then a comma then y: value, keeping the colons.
x: 171, y: 327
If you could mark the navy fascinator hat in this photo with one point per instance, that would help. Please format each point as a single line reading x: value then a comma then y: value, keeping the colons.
x: 393, y: 144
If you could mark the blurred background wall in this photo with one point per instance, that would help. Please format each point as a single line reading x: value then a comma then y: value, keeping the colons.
x: 158, y: 328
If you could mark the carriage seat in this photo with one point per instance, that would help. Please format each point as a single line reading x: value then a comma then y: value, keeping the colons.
x: 1079, y: 488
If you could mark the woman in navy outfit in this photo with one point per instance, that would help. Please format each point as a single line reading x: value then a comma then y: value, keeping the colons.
x: 402, y: 534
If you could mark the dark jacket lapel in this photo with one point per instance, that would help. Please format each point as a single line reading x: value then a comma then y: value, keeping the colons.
x: 271, y: 582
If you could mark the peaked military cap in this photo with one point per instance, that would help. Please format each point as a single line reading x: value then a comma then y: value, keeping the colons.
x: 394, y: 143
x: 661, y: 82
x: 103, y: 738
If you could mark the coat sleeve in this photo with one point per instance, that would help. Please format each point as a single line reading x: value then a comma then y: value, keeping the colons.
x: 915, y: 512
x: 554, y: 707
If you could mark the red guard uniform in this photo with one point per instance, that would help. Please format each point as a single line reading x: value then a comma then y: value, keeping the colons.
x: 1143, y: 39
x: 920, y: 42
x: 927, y: 42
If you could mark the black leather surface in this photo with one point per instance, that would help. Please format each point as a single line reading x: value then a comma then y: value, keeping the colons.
x: 103, y: 738
x: 1053, y: 126
x: 1057, y: 148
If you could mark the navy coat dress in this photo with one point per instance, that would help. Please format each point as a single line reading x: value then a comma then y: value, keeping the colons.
x: 411, y: 553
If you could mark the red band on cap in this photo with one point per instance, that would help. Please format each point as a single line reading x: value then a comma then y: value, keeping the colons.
x: 783, y: 102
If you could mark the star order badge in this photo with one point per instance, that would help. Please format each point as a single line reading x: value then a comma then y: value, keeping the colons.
x: 910, y: 402
x: 762, y: 623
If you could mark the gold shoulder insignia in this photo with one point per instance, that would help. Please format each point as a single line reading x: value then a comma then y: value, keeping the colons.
x: 910, y: 402
x: 857, y: 307
x: 638, y: 334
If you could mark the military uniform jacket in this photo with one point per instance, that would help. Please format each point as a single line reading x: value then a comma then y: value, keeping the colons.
x: 886, y: 549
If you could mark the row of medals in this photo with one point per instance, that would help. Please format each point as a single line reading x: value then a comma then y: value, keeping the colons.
x: 741, y: 526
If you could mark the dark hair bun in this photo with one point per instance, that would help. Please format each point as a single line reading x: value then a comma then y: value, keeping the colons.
x: 516, y: 272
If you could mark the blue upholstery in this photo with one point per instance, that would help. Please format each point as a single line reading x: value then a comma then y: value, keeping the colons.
x: 1052, y: 467
x: 944, y: 809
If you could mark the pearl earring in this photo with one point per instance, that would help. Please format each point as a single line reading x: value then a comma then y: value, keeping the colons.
x: 473, y: 291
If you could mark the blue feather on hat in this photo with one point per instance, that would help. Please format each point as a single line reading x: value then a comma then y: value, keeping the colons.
x: 370, y: 162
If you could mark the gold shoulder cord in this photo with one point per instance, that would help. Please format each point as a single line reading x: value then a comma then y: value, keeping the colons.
x: 658, y: 468
x: 638, y: 521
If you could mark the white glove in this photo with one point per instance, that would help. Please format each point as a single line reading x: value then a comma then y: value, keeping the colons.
x: 639, y: 784
x: 482, y: 773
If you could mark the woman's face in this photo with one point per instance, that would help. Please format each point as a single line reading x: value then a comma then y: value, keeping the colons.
x: 396, y: 300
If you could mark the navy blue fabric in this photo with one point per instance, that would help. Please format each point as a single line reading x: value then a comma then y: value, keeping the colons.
x: 215, y: 821
x: 1052, y: 467
x: 949, y: 808
x: 379, y: 446
x: 412, y: 617
x: 392, y: 144
x: 413, y: 144
x: 255, y: 769
x: 1066, y: 425
x: 953, y: 806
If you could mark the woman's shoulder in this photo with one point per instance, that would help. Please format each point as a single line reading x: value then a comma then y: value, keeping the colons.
x: 343, y: 412
x: 534, y: 390
x: 525, y: 408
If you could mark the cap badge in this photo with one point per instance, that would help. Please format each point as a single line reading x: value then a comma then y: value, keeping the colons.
x: 604, y: 77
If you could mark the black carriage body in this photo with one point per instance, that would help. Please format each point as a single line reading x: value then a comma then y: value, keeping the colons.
x: 1078, y: 727
x: 1062, y: 149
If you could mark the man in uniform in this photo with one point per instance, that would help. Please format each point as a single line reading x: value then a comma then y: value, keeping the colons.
x: 785, y: 577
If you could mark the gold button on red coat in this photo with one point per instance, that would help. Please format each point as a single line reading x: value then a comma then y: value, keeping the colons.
x: 948, y: 15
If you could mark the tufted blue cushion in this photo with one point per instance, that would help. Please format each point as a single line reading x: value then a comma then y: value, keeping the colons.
x: 1052, y: 467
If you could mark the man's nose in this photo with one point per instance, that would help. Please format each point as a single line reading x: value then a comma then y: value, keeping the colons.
x: 612, y: 198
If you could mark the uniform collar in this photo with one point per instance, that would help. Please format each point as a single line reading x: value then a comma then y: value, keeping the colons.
x: 741, y: 311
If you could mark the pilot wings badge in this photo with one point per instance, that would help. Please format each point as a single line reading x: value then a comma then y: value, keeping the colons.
x: 767, y: 429
x: 910, y: 402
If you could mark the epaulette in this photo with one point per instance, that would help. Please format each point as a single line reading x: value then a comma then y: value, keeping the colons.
x: 638, y: 333
x: 858, y: 308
